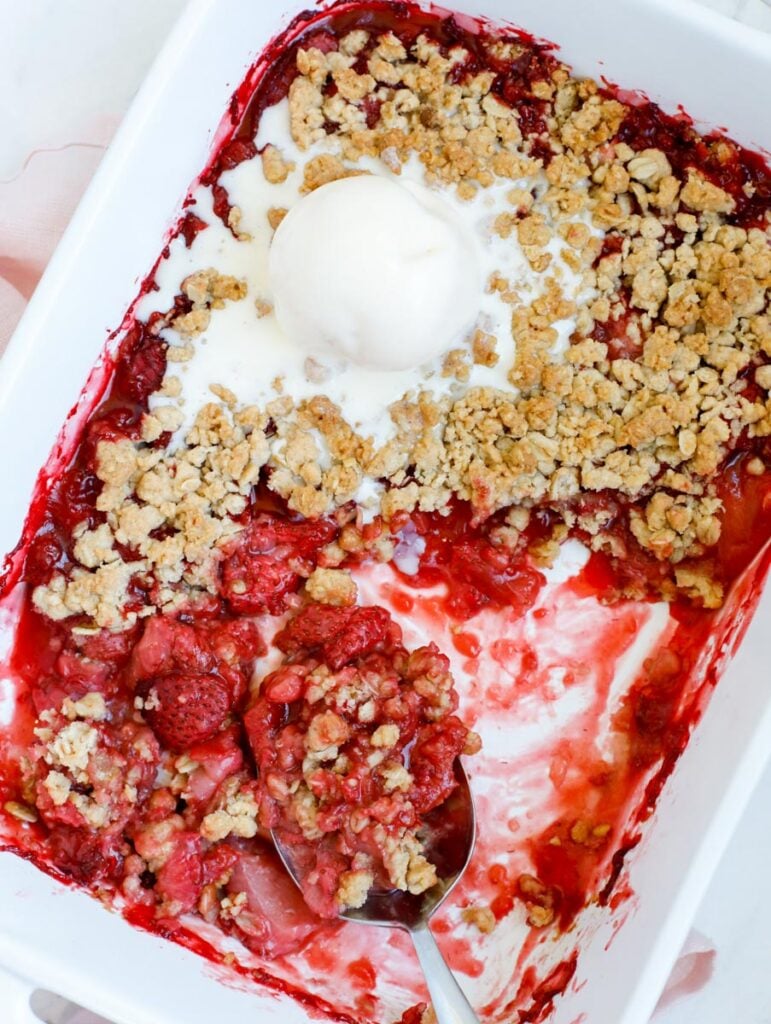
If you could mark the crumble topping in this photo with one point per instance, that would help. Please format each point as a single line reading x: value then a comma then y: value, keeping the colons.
x: 82, y: 774
x: 237, y: 816
x: 482, y: 918
x: 206, y: 290
x: 663, y: 411
x: 406, y: 864
x: 331, y: 586
x: 173, y: 510
x: 645, y: 401
x: 354, y: 888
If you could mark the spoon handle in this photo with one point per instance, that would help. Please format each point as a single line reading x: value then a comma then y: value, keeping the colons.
x: 450, y: 1004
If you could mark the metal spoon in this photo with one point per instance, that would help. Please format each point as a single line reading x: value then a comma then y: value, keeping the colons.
x: 448, y: 834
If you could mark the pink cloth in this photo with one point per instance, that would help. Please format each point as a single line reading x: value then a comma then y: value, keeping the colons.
x: 691, y: 973
x: 35, y: 206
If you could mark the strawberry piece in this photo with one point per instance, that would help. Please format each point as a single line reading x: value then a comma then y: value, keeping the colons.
x: 217, y: 759
x: 432, y: 763
x: 256, y: 583
x: 339, y: 634
x: 266, y: 563
x: 235, y: 152
x: 86, y: 856
x: 73, y: 499
x: 285, y: 685
x: 221, y: 648
x: 275, y: 920
x: 45, y: 553
x: 180, y: 880
x: 218, y: 861
x: 311, y: 627
x: 141, y: 364
x: 365, y: 630
x: 504, y: 582
x: 190, y: 709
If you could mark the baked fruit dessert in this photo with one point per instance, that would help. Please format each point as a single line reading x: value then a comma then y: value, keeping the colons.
x: 441, y: 428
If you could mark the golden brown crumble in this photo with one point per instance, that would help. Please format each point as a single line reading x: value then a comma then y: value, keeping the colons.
x: 275, y: 168
x: 578, y: 421
x: 191, y: 493
x: 206, y: 290
x: 483, y: 348
x: 234, y: 223
x: 236, y: 815
x: 275, y: 215
x: 481, y: 918
x: 652, y: 423
x: 22, y: 812
x: 354, y: 888
x: 331, y: 586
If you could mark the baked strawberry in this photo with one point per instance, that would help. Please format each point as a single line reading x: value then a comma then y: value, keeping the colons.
x: 266, y: 563
x: 181, y: 878
x: 366, y: 628
x: 220, y: 647
x: 187, y: 709
x: 275, y: 919
x: 338, y: 634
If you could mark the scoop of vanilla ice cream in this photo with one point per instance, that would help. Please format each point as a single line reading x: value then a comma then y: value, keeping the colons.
x: 377, y: 272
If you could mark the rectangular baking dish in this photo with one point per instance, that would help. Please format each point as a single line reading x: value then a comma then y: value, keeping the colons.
x: 677, y: 54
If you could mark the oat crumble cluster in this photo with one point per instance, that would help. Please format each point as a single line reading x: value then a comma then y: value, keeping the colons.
x: 667, y: 368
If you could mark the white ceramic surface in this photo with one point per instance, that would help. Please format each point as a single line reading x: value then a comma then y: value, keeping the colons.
x: 102, y: 965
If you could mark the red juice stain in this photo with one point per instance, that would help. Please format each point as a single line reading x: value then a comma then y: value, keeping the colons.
x: 402, y: 602
x: 478, y: 574
x: 362, y: 974
x: 367, y: 1005
x: 458, y: 953
x: 746, y: 524
x: 143, y: 917
x: 545, y: 992
x: 467, y: 644
x: 504, y: 651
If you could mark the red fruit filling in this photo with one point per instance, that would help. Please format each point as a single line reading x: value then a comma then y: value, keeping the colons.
x: 265, y: 565
x: 478, y: 573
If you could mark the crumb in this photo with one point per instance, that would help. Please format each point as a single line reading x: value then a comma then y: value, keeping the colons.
x: 482, y: 918
x: 483, y: 347
x: 331, y: 586
x: 225, y: 394
x: 275, y: 215
x: 275, y: 168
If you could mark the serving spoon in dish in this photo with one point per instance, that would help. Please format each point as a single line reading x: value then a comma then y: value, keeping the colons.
x: 448, y: 833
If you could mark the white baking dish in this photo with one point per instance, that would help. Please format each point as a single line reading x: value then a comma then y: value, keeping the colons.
x: 720, y: 72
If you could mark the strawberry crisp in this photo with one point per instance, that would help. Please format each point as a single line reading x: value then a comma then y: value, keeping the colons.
x: 221, y: 603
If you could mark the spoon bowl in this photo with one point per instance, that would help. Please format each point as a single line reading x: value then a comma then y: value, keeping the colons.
x: 448, y: 834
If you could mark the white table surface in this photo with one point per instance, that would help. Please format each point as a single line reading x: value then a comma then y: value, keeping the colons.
x: 68, y: 70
